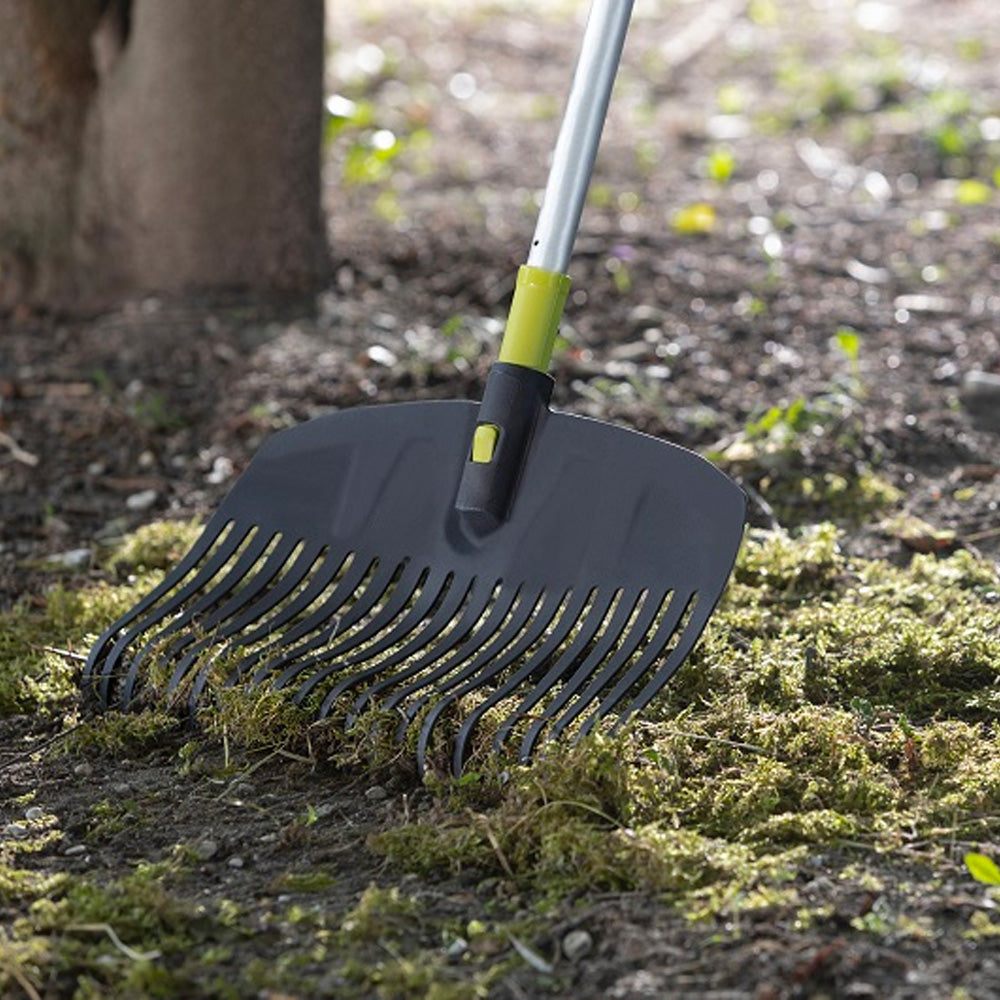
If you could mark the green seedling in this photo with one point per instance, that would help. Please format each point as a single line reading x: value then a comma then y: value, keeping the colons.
x: 982, y: 868
x: 973, y: 192
x: 720, y: 165
x: 697, y: 219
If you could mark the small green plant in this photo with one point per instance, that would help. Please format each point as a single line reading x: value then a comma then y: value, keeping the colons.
x: 848, y: 341
x: 720, y: 165
x: 697, y: 219
x: 372, y: 147
x: 973, y: 192
x: 153, y: 410
x: 982, y: 868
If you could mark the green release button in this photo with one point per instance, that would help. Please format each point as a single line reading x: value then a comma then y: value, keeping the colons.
x: 484, y: 442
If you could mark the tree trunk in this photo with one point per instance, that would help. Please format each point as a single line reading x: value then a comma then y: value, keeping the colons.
x: 47, y: 81
x: 193, y: 152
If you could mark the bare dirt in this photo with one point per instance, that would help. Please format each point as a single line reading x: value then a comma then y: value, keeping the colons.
x: 852, y: 128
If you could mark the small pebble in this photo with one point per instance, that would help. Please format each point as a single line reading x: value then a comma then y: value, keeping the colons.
x: 222, y: 469
x: 15, y: 830
x: 35, y: 812
x: 83, y: 770
x: 456, y: 949
x: 576, y: 944
x: 376, y: 794
x: 645, y: 317
x: 382, y: 356
x: 76, y: 849
x: 142, y: 500
x: 71, y: 559
x: 205, y: 850
x: 235, y: 861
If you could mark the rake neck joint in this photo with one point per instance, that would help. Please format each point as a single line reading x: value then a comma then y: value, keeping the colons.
x: 515, y: 401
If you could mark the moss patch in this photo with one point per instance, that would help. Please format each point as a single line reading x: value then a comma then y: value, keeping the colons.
x: 834, y: 703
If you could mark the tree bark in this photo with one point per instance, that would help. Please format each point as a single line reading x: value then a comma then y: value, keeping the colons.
x: 194, y: 160
x: 47, y: 81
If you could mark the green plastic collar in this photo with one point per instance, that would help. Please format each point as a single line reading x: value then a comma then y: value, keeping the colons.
x: 533, y: 321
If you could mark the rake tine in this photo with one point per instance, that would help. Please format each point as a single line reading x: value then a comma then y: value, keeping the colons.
x: 481, y: 669
x: 654, y: 650
x: 272, y: 586
x: 231, y: 632
x: 195, y: 554
x: 432, y: 595
x: 601, y: 648
x: 689, y: 636
x: 590, y: 626
x: 478, y: 659
x: 189, y: 613
x: 399, y: 588
x: 399, y: 616
x: 174, y: 599
x: 565, y: 618
x: 446, y: 634
x: 503, y: 620
x: 211, y: 627
x: 631, y: 641
x: 314, y: 629
x: 328, y: 569
x: 404, y: 592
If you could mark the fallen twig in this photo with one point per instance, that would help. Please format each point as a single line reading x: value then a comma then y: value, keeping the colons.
x: 135, y: 956
x: 16, y: 451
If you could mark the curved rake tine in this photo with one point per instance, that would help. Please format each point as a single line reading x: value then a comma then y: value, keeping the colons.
x: 314, y: 629
x: 236, y: 617
x: 317, y: 583
x: 328, y: 569
x: 692, y: 631
x: 431, y: 596
x: 564, y: 619
x: 502, y: 621
x: 446, y: 633
x: 590, y: 625
x: 601, y: 648
x: 478, y: 658
x: 212, y: 627
x: 187, y: 617
x: 480, y: 670
x: 399, y: 588
x: 172, y: 599
x: 632, y: 641
x: 203, y: 544
x: 496, y: 648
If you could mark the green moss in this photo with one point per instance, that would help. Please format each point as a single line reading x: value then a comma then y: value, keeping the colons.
x: 121, y: 732
x: 380, y: 914
x: 833, y: 700
x: 156, y: 546
x: 314, y: 880
x: 108, y: 817
x: 781, y: 565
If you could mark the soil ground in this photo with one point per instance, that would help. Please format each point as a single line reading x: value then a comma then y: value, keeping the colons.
x: 793, y: 202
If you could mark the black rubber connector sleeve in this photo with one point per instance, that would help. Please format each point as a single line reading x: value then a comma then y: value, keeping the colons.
x: 515, y: 400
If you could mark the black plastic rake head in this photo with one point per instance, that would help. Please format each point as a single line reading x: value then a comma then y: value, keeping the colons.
x: 339, y: 567
x: 544, y: 569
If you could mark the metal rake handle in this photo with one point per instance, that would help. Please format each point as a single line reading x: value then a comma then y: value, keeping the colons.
x: 518, y: 389
x: 580, y: 134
